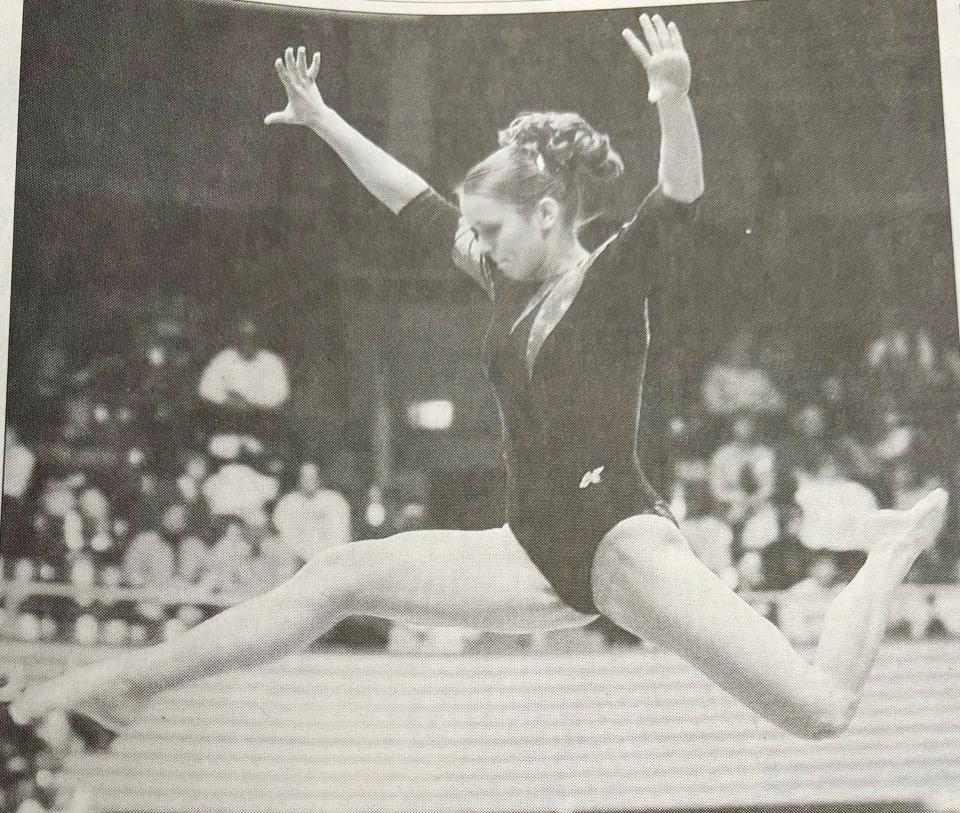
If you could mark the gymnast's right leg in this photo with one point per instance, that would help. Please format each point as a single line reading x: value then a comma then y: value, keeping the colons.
x: 478, y: 579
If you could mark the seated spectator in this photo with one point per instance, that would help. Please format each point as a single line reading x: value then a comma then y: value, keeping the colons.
x: 96, y: 525
x: 804, y: 606
x: 16, y: 531
x: 786, y: 560
x: 238, y: 489
x: 232, y: 564
x: 833, y: 506
x: 243, y: 387
x: 148, y: 563
x: 52, y: 527
x: 742, y: 472
x: 738, y: 382
x: 277, y: 561
x: 807, y: 443
x: 86, y: 442
x: 193, y: 564
x: 902, y: 361
x: 750, y: 579
x: 18, y: 465
x: 196, y: 470
x: 710, y: 537
x: 908, y: 486
x: 147, y: 504
x: 898, y: 436
x: 312, y: 519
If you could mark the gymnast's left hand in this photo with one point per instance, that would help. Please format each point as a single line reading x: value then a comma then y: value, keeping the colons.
x: 663, y: 57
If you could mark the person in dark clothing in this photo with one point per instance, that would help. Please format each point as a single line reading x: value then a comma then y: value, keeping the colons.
x: 585, y: 533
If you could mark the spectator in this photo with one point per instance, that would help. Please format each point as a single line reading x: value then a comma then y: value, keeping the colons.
x: 908, y: 486
x: 312, y: 519
x: 742, y: 472
x: 833, y: 506
x: 16, y: 532
x: 232, y: 563
x: 239, y: 490
x: 804, y: 606
x: 902, y: 362
x: 246, y: 376
x: 52, y: 527
x: 806, y: 444
x: 244, y: 387
x: 94, y: 512
x: 18, y: 466
x: 710, y: 537
x: 785, y: 559
x: 147, y: 505
x: 277, y: 561
x: 750, y: 579
x: 898, y: 436
x: 148, y: 563
x: 738, y: 382
x: 196, y: 470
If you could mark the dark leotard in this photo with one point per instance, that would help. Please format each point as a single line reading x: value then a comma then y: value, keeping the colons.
x: 570, y: 399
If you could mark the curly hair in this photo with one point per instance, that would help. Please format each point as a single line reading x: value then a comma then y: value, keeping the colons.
x: 558, y: 155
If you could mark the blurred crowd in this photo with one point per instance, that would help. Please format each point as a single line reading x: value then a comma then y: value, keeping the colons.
x: 141, y: 486
x: 770, y: 478
x: 197, y: 486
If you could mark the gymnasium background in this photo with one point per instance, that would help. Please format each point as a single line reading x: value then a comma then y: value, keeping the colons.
x: 153, y: 209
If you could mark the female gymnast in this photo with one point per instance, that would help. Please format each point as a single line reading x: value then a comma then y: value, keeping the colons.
x: 586, y: 534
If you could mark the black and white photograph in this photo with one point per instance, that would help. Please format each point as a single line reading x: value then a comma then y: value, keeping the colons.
x: 514, y: 411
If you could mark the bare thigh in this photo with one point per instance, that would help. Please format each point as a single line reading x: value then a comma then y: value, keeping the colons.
x: 483, y: 580
x: 647, y: 579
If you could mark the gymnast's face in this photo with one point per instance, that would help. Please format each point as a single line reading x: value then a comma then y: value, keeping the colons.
x: 516, y: 239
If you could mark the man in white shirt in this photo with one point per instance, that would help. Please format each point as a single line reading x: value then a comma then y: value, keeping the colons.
x: 246, y: 376
x: 244, y: 388
x: 312, y: 519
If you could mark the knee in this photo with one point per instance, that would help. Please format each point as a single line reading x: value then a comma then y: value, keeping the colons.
x: 332, y: 578
x: 830, y: 717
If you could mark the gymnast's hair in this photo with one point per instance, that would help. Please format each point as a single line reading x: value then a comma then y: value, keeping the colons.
x: 557, y: 155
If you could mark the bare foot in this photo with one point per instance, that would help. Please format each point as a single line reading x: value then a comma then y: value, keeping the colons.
x: 99, y: 691
x: 897, y: 538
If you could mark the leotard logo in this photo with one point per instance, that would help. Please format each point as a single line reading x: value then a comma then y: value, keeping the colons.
x: 591, y: 477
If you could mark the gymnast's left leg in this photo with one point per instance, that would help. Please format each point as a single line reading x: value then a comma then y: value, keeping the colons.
x: 646, y: 579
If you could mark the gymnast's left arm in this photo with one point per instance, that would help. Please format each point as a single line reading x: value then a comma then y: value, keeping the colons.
x: 668, y: 71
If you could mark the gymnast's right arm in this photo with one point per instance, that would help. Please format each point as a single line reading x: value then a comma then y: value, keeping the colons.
x: 392, y: 183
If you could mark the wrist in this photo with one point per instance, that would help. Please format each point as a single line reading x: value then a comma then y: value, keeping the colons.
x: 322, y: 120
x: 672, y: 100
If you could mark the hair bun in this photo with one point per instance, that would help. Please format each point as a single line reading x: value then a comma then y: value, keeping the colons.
x: 564, y: 142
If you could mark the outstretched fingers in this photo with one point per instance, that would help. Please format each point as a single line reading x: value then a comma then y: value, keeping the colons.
x: 302, y: 63
x: 314, y: 68
x: 282, y: 72
x: 662, y: 33
x: 676, y: 41
x: 636, y: 45
x: 650, y: 32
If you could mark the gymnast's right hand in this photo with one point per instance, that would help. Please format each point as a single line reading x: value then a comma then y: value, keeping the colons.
x: 304, y: 102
